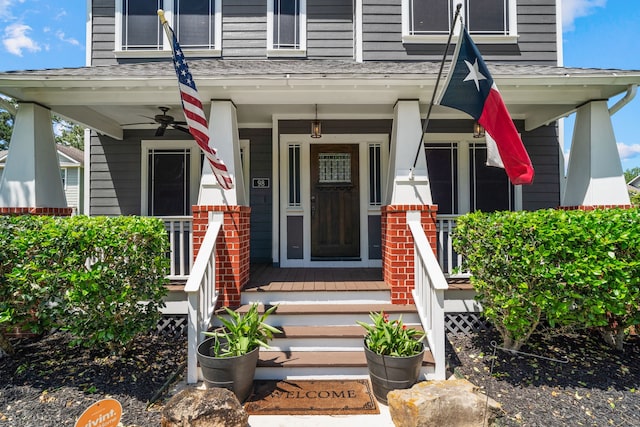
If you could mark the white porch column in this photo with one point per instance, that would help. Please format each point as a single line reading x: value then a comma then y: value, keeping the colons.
x: 31, y: 176
x: 595, y: 176
x: 403, y: 188
x: 223, y: 131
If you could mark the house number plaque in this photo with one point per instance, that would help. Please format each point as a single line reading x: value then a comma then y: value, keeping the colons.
x: 260, y: 183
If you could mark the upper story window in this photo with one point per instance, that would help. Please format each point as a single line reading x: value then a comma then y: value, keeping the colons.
x: 488, y: 21
x: 141, y: 27
x: 197, y: 23
x: 286, y: 27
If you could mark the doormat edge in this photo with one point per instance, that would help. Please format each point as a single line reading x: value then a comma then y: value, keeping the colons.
x: 303, y: 392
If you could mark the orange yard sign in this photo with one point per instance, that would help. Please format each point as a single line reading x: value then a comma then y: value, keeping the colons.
x: 104, y: 413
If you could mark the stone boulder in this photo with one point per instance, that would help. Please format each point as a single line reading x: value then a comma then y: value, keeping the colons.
x: 452, y: 403
x: 214, y: 407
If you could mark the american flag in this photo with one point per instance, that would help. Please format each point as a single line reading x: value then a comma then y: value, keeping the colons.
x: 194, y: 113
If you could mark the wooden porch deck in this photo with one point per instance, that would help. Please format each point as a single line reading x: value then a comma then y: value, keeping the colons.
x: 265, y: 277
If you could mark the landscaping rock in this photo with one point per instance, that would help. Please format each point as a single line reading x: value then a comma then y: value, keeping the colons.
x: 214, y: 407
x: 454, y: 403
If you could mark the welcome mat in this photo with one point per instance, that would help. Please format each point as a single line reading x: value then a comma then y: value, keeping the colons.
x: 312, y: 397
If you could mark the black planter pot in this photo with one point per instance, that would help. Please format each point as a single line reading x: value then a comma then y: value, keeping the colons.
x: 233, y: 373
x: 392, y: 373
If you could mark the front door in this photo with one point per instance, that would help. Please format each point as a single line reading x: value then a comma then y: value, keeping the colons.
x: 335, y: 202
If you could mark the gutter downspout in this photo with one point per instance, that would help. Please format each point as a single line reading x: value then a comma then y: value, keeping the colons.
x: 628, y: 97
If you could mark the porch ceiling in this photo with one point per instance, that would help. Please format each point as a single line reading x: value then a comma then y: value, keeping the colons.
x: 107, y: 97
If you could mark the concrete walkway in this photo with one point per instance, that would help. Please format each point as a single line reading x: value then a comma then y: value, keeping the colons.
x: 381, y: 420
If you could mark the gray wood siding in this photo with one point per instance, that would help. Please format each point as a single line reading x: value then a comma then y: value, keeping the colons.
x: 330, y: 29
x: 543, y: 148
x: 115, y: 181
x: 382, y: 35
x: 103, y: 32
x: 330, y: 32
x: 244, y: 29
x: 260, y: 199
x: 115, y: 176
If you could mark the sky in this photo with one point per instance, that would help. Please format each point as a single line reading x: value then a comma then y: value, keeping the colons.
x: 38, y: 34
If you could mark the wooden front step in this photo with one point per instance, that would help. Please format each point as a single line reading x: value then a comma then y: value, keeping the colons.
x: 319, y: 364
x: 322, y: 340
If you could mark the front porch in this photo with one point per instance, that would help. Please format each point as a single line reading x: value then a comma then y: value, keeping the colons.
x: 318, y: 307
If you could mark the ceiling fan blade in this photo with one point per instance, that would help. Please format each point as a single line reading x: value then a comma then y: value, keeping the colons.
x: 183, y: 129
x: 139, y: 123
x: 160, y: 130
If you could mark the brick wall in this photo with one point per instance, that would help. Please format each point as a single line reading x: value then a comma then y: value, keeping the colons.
x: 232, y: 249
x: 397, y: 247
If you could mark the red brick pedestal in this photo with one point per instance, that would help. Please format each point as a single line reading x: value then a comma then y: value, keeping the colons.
x: 37, y: 211
x: 232, y: 249
x: 397, y: 247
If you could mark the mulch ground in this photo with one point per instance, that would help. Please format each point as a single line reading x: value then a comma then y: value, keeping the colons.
x: 49, y: 384
x: 596, y: 386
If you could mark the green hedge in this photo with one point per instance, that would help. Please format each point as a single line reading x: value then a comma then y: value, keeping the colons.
x: 566, y: 268
x: 85, y: 275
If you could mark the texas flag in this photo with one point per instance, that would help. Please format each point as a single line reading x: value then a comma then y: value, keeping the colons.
x: 470, y: 88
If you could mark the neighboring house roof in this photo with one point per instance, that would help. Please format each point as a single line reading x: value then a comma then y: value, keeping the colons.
x: 634, y: 184
x: 74, y: 155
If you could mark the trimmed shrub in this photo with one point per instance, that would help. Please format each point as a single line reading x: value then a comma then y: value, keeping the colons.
x: 102, y: 279
x: 567, y: 268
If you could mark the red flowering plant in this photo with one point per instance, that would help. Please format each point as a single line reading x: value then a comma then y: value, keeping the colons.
x: 391, y: 337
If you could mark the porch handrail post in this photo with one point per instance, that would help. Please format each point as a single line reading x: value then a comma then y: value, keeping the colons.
x: 201, y: 293
x: 428, y: 293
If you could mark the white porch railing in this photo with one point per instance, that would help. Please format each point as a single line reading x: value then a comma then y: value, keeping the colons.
x: 201, y: 293
x: 428, y: 294
x: 180, y: 231
x: 448, y: 259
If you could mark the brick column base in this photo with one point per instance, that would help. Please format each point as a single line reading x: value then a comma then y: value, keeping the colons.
x: 232, y: 249
x: 37, y: 211
x: 397, y: 247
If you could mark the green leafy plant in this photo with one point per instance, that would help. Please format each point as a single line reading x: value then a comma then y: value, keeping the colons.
x: 102, y: 279
x: 242, y: 333
x: 391, y: 337
x: 569, y: 269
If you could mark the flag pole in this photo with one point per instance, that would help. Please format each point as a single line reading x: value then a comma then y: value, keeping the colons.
x: 164, y: 23
x: 192, y: 108
x: 435, y: 89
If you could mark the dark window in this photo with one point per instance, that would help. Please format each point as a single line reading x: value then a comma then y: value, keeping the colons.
x: 490, y: 187
x: 442, y: 164
x: 141, y: 26
x: 294, y: 175
x: 375, y: 175
x: 487, y: 16
x: 433, y: 17
x: 168, y: 182
x: 286, y: 24
x: 195, y: 23
x: 430, y: 16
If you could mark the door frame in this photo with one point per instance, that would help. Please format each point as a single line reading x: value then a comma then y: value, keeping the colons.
x: 282, y: 210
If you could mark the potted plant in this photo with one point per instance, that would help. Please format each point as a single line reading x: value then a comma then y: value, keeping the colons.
x: 394, y: 354
x: 228, y: 358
